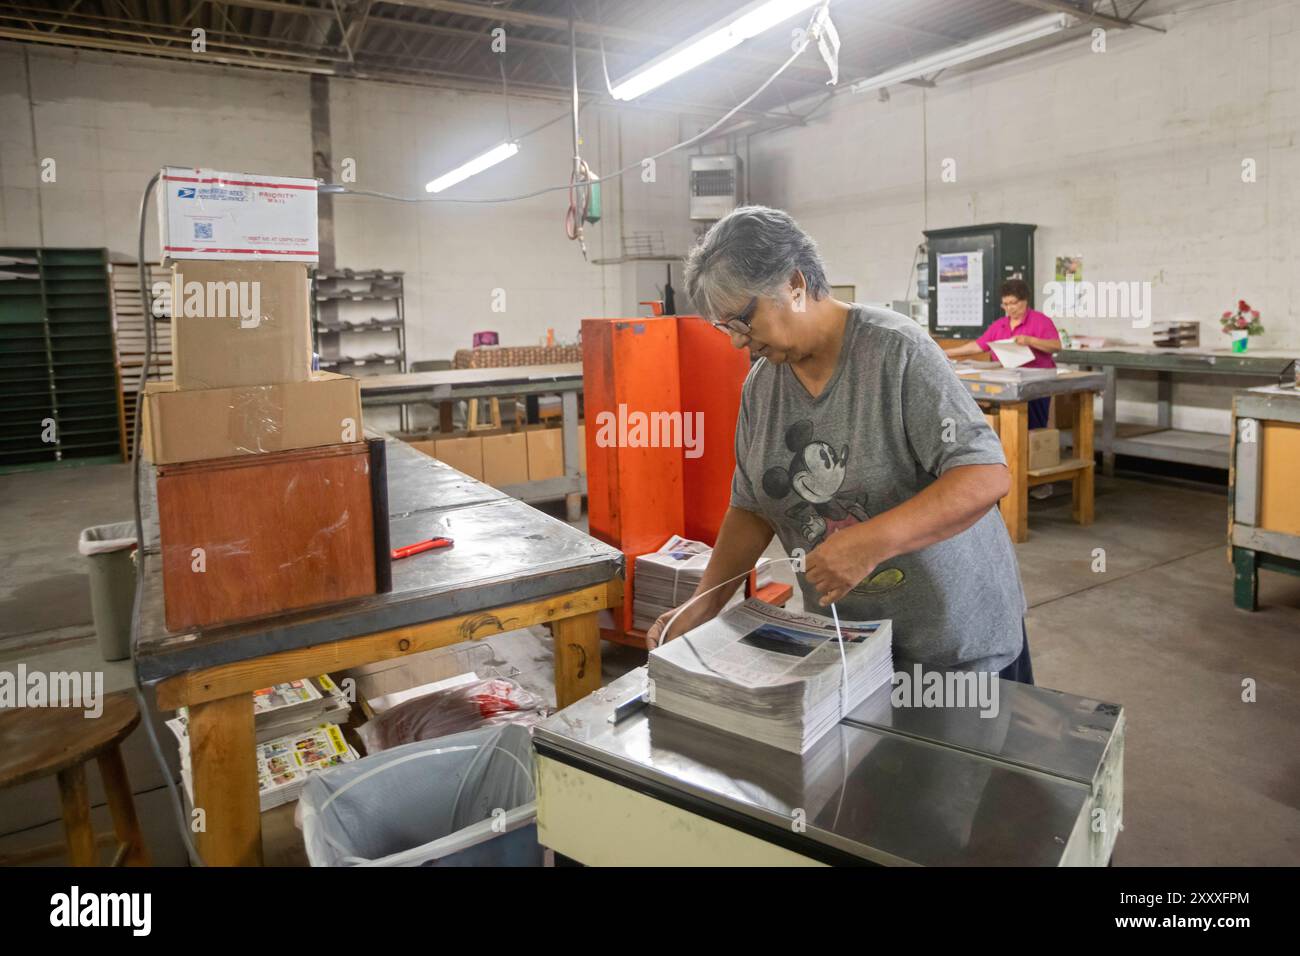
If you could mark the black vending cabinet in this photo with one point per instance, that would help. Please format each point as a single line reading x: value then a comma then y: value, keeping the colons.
x: 964, y: 300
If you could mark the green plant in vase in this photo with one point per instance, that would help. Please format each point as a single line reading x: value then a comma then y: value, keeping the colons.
x: 1241, y: 325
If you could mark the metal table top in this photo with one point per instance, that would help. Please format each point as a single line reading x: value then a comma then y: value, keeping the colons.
x: 987, y: 390
x: 505, y: 552
x: 470, y: 383
x: 1263, y: 362
x: 923, y: 786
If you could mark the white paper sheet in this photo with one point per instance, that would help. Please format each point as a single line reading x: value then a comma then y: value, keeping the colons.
x: 1010, y: 354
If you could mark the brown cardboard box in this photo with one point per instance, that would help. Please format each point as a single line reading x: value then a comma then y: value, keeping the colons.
x: 1044, y: 448
x: 424, y: 446
x: 545, y: 453
x: 204, y: 423
x: 463, y: 454
x: 240, y: 323
x: 505, y: 459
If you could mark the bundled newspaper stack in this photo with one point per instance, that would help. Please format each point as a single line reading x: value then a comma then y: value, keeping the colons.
x: 298, y: 705
x: 667, y: 578
x: 297, y: 726
x: 769, y: 674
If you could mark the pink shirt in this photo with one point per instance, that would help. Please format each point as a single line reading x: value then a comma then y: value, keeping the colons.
x: 1034, y: 324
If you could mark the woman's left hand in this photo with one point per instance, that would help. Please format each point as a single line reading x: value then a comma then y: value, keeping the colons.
x: 1022, y: 340
x: 843, y: 561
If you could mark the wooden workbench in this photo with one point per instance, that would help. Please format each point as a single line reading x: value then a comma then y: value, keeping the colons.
x: 511, y: 567
x: 1263, y: 508
x: 1073, y: 392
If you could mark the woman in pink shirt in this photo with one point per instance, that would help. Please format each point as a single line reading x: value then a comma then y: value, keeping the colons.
x: 1026, y: 327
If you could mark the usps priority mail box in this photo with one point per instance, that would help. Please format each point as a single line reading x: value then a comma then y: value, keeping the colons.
x: 206, y: 214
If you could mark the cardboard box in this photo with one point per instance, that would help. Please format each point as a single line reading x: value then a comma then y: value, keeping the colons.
x: 424, y: 446
x: 545, y: 453
x: 463, y: 454
x: 221, y: 422
x: 240, y: 323
x: 1044, y: 448
x: 505, y: 459
x: 206, y: 214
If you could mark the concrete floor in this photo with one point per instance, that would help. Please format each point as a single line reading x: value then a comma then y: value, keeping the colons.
x: 1210, y: 779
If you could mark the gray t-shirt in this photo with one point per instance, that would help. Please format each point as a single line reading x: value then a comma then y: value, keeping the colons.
x: 893, y: 417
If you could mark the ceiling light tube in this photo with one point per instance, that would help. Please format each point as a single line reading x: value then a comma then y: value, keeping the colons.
x: 983, y: 46
x: 476, y: 165
x: 713, y: 41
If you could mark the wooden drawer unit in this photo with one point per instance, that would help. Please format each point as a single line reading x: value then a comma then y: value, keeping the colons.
x: 255, y: 535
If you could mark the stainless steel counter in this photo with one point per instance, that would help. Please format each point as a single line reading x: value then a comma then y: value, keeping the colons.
x: 900, y: 786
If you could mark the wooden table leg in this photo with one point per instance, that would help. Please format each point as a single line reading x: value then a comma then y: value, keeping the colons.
x: 75, y: 800
x: 117, y: 788
x: 577, y: 657
x: 223, y: 760
x: 1084, y: 488
x: 1013, y: 429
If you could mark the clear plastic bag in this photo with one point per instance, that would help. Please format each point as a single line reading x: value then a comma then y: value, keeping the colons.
x: 484, y: 703
x: 463, y: 800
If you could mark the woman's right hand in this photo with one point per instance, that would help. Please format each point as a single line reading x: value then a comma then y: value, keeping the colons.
x: 692, y: 617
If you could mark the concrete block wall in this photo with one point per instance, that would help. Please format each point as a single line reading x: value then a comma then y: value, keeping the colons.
x: 1131, y: 158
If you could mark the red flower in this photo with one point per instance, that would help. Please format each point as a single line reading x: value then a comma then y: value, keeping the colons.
x: 1242, y: 306
x: 1254, y: 314
x: 1227, y: 315
x: 1241, y: 322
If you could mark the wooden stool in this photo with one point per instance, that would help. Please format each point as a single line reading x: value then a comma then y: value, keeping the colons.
x: 38, y: 741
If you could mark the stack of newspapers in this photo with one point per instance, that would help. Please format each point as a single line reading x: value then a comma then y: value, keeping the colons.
x: 667, y: 578
x: 769, y: 674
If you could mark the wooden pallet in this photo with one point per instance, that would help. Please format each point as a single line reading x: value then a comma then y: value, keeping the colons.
x: 130, y: 311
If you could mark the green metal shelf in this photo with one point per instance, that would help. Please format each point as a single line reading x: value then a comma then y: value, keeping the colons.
x: 57, y: 359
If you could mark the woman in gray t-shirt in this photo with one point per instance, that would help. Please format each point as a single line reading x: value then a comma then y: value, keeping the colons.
x: 860, y: 448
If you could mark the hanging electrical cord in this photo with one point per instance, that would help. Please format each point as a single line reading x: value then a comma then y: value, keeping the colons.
x: 145, y: 716
x: 684, y: 144
x: 580, y: 178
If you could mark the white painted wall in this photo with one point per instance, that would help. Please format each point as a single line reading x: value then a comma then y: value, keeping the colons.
x: 1130, y: 158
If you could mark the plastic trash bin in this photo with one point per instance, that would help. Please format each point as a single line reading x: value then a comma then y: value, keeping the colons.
x: 463, y: 800
x: 110, y: 549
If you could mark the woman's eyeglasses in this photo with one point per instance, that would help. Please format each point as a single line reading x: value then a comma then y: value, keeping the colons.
x: 741, y: 323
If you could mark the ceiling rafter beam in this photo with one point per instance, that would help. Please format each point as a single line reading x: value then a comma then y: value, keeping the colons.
x: 1087, y: 14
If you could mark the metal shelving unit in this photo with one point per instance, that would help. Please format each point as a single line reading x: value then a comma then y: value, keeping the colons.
x: 59, y: 389
x: 359, y: 322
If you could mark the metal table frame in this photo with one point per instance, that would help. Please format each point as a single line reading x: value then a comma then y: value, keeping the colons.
x: 511, y: 567
x: 1194, y: 448
x: 436, y: 388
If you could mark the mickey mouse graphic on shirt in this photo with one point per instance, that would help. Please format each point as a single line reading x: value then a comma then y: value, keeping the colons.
x: 815, y: 474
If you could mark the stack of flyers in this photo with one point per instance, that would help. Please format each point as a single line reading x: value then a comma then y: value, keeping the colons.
x: 283, y: 763
x: 297, y: 705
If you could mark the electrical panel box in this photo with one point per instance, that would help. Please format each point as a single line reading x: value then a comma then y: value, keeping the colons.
x: 966, y: 266
x: 716, y: 186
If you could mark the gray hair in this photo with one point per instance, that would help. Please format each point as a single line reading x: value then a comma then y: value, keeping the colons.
x: 754, y: 250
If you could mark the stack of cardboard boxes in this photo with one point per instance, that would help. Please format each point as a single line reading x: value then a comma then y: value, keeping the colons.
x: 267, y: 493
x: 508, y: 458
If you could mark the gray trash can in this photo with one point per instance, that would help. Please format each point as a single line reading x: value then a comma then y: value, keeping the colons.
x: 110, y: 548
x: 466, y: 799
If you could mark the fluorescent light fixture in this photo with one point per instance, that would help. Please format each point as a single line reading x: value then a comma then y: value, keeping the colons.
x: 476, y: 165
x: 749, y: 21
x: 993, y: 43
